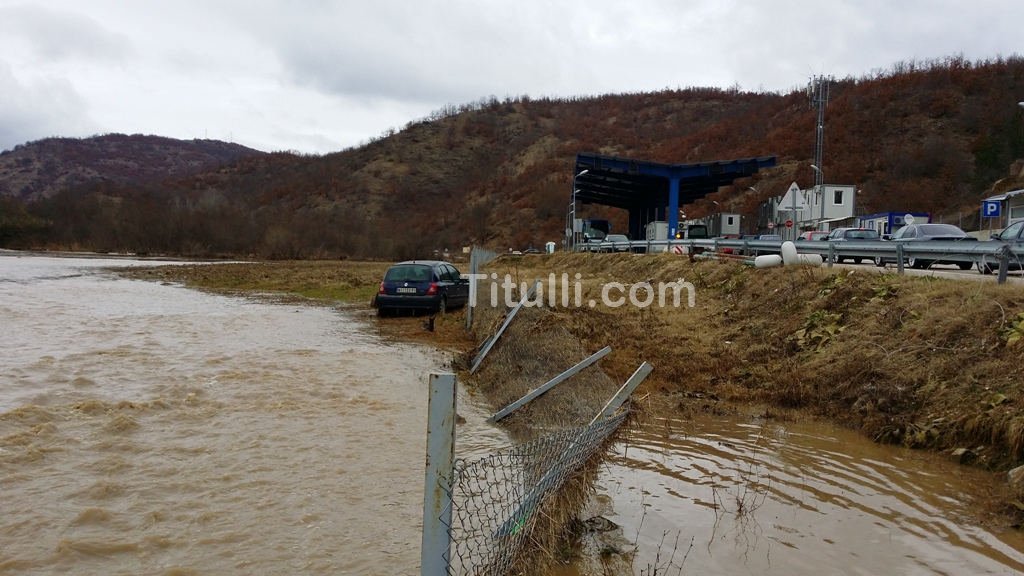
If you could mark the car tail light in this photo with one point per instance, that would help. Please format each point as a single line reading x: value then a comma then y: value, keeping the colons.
x: 433, y: 289
x: 381, y: 290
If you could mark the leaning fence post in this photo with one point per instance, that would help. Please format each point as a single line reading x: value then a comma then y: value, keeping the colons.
x: 435, y: 552
x: 624, y: 392
x: 508, y: 320
x: 532, y: 394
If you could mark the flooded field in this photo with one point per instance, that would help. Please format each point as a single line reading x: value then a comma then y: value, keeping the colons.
x: 150, y: 429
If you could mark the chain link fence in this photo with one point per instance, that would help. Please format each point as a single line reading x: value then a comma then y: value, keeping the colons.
x: 496, y: 500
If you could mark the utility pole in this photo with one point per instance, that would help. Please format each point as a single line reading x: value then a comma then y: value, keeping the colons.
x: 817, y: 91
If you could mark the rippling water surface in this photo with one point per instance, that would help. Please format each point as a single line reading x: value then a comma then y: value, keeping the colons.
x: 723, y: 495
x: 152, y: 429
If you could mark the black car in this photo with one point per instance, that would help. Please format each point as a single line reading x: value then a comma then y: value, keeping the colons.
x: 932, y: 232
x: 854, y: 235
x: 1012, y: 235
x: 421, y: 285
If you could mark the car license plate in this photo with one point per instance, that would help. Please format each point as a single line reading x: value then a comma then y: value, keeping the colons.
x: 405, y: 290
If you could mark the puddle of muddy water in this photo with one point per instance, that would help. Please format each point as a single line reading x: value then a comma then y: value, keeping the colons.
x: 731, y: 496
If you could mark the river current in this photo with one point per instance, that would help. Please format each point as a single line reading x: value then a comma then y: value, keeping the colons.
x: 153, y: 429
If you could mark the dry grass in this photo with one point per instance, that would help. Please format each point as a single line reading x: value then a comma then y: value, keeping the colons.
x: 339, y: 281
x: 918, y: 361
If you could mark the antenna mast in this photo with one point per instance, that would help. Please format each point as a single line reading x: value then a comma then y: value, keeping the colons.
x: 817, y: 91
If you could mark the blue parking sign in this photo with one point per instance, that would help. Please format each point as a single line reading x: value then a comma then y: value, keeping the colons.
x: 990, y: 209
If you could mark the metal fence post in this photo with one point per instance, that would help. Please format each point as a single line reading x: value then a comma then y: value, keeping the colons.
x: 1004, y: 264
x: 435, y: 552
x: 899, y: 257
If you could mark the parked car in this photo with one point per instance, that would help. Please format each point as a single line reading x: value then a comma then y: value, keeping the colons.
x: 615, y: 243
x: 853, y: 235
x: 812, y: 236
x: 766, y: 238
x: 932, y: 232
x: 421, y: 285
x: 1012, y: 235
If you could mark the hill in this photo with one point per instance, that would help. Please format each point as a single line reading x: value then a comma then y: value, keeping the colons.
x: 41, y: 169
x: 934, y: 136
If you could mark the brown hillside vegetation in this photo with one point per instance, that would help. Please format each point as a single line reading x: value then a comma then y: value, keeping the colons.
x: 43, y: 168
x: 933, y: 136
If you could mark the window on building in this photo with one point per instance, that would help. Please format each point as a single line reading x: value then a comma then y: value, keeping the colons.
x: 837, y: 197
x: 1016, y: 212
x: 729, y: 220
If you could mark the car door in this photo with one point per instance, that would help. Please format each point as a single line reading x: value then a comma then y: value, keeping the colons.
x: 1013, y: 233
x: 458, y: 290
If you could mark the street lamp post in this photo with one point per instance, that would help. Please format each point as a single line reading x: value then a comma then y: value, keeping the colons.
x: 573, y: 219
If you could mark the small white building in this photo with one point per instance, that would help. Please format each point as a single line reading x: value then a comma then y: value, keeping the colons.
x: 811, y: 210
x: 719, y: 224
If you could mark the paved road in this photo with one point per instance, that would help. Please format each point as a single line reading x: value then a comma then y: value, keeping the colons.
x: 939, y: 271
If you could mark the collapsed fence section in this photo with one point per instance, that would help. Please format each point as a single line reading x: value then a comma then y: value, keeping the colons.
x: 479, y: 515
x: 496, y: 500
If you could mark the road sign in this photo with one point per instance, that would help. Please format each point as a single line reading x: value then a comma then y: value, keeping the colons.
x: 789, y: 223
x: 991, y: 209
x: 771, y: 225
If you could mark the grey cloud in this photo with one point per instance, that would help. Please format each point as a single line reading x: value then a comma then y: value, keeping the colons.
x: 52, y: 35
x: 31, y: 112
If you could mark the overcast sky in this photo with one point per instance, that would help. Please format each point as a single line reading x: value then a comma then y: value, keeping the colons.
x: 320, y: 75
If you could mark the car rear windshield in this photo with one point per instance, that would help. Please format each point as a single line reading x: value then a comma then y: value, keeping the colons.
x: 941, y: 230
x: 862, y: 234
x: 408, y: 273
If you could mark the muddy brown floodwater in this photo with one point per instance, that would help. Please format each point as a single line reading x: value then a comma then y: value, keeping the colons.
x: 736, y: 495
x: 152, y: 429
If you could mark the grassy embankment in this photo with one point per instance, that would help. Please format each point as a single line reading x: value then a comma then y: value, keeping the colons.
x: 923, y: 362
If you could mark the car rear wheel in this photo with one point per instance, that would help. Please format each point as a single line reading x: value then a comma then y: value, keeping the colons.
x: 879, y: 261
x: 965, y: 265
x: 918, y: 263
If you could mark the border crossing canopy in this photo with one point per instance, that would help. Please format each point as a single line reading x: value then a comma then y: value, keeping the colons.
x: 652, y: 191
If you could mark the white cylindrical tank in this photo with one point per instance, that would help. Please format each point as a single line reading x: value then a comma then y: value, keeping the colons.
x: 768, y: 261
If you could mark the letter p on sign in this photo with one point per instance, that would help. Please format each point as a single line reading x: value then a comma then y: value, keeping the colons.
x: 990, y: 209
